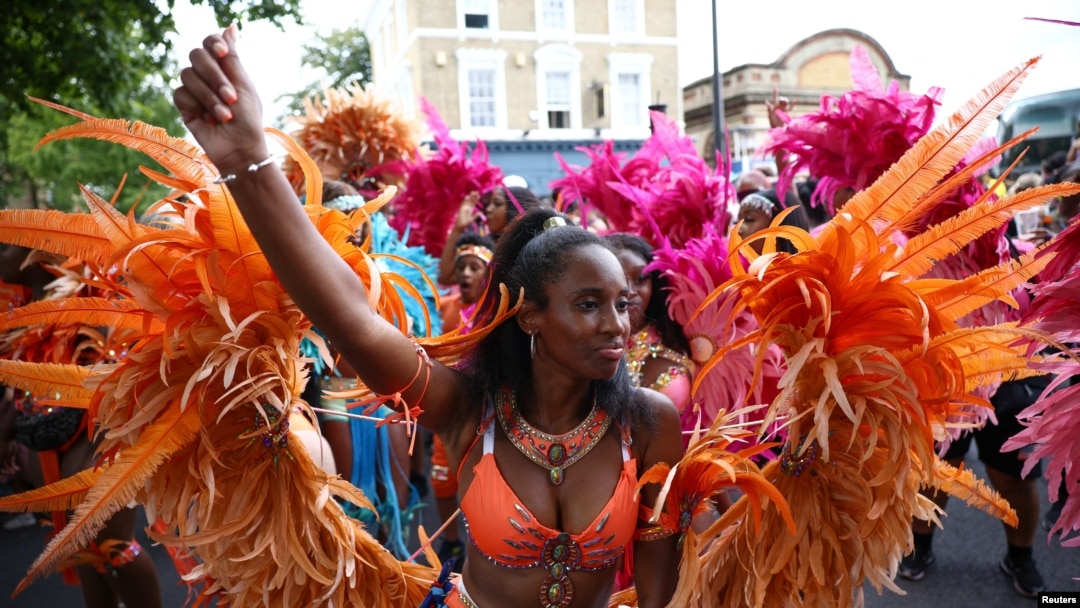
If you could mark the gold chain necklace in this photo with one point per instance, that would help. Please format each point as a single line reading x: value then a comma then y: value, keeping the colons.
x: 553, y: 452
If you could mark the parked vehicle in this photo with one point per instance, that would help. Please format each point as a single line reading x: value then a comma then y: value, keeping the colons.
x: 1056, y: 114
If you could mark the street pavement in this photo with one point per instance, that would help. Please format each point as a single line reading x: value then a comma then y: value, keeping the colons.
x: 965, y: 574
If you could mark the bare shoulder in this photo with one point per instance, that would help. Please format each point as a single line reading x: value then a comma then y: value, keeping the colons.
x: 662, y: 407
x: 659, y: 439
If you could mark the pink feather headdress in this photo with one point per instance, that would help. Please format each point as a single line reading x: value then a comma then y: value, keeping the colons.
x: 693, y: 272
x: 435, y: 186
x: 853, y: 139
x: 664, y: 192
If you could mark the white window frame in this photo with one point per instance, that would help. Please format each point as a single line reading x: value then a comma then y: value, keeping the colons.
x: 390, y: 46
x: 550, y: 106
x: 568, y: 8
x: 558, y: 58
x: 492, y: 13
x: 481, y: 59
x: 639, y: 20
x: 401, y: 18
x: 405, y: 89
x: 629, y: 63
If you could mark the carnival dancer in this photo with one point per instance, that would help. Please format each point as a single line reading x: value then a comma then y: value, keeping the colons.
x: 877, y: 369
x: 874, y: 124
x: 574, y: 389
x: 235, y: 339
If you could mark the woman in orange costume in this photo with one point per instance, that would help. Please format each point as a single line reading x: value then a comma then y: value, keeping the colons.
x: 574, y: 386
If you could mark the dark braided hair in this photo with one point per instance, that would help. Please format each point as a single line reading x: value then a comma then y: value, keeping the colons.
x: 475, y: 238
x: 529, y: 258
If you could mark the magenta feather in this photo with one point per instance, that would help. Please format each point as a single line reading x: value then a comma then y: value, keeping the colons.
x: 853, y: 139
x: 435, y: 186
x: 665, y: 191
x: 1050, y: 431
x: 1058, y: 21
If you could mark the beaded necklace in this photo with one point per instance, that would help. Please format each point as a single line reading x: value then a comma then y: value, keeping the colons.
x: 553, y: 452
x: 644, y: 346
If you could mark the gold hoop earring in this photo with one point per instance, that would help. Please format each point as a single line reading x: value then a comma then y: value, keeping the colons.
x: 532, y: 346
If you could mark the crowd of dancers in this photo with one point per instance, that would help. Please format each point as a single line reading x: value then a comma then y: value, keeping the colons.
x: 656, y: 387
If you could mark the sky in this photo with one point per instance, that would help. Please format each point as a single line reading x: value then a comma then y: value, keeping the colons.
x: 959, y: 45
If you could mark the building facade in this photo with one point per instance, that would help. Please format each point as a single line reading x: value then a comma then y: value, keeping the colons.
x: 531, y: 77
x: 816, y: 66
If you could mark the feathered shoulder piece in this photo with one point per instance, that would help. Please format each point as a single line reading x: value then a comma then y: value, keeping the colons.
x: 411, y: 269
x: 436, y: 185
x: 665, y: 191
x: 355, y: 135
x: 853, y: 139
x: 199, y: 408
x: 877, y: 369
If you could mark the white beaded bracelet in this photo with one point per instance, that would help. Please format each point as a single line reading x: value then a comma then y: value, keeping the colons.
x: 253, y: 167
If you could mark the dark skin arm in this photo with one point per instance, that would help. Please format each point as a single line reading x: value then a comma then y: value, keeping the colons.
x: 221, y: 108
x: 656, y: 562
x: 8, y: 448
x: 781, y: 104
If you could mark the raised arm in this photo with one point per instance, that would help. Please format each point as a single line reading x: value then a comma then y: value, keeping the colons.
x: 466, y: 215
x: 221, y: 108
x: 775, y: 106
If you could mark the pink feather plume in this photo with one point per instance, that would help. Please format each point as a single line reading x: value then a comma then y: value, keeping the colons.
x: 435, y: 186
x: 665, y: 191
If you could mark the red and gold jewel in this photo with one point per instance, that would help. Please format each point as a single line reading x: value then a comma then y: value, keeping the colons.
x: 553, y: 452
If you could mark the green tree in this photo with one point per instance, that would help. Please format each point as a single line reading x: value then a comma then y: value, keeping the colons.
x: 49, y: 176
x: 100, y: 50
x: 104, y: 57
x: 346, y: 57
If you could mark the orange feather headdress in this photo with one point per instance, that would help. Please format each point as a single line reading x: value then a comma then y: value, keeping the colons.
x: 193, y: 422
x: 355, y: 135
x: 877, y: 370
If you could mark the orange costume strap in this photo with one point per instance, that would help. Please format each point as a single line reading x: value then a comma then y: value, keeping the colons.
x: 107, y: 557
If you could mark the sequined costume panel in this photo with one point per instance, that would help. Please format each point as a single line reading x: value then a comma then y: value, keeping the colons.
x: 514, y: 538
